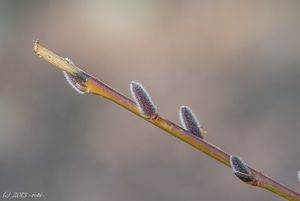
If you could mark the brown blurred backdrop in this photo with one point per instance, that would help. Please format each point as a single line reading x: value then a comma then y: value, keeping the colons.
x: 235, y: 63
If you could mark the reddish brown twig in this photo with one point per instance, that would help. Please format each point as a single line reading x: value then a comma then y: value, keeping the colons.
x: 90, y: 84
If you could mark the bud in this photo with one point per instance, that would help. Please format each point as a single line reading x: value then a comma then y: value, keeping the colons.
x: 240, y: 169
x: 189, y: 121
x: 299, y: 175
x: 75, y: 82
x: 142, y: 99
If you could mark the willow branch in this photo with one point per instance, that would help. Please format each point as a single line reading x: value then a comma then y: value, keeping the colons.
x: 94, y: 86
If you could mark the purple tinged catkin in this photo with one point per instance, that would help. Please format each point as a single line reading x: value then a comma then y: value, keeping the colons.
x: 189, y: 121
x: 142, y: 99
x: 73, y: 80
x: 240, y: 169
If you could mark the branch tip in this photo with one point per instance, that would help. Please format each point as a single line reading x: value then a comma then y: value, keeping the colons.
x: 59, y: 62
x: 36, y: 45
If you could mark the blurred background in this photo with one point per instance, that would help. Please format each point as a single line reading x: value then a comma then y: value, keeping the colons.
x: 235, y: 63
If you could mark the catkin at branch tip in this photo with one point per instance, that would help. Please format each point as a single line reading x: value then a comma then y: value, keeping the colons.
x: 142, y: 99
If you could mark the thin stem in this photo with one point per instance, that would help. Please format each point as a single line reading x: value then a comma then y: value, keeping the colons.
x: 95, y: 86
